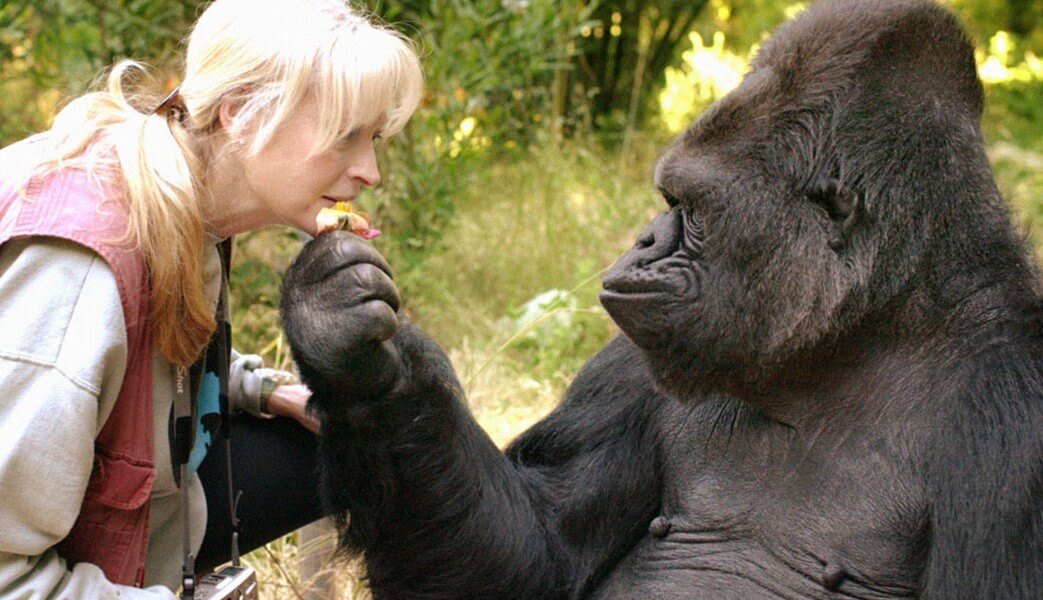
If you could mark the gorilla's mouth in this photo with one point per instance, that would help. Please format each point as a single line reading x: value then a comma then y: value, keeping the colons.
x: 665, y: 260
x: 647, y: 286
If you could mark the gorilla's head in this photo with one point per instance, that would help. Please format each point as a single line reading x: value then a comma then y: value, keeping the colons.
x: 842, y: 183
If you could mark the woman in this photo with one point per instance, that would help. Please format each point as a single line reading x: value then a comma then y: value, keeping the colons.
x: 111, y: 279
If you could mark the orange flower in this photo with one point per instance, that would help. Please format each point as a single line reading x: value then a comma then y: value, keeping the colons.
x: 344, y: 216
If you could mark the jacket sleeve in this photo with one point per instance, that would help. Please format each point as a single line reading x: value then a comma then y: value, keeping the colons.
x: 244, y: 385
x: 62, y: 360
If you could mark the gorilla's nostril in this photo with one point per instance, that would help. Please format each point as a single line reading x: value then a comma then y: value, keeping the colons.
x: 645, y: 240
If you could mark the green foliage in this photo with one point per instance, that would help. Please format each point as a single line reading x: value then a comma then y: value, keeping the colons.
x: 1013, y: 124
x: 1024, y: 18
x: 258, y: 263
x: 1014, y: 129
x: 554, y: 335
x: 707, y: 73
x: 622, y: 53
x: 51, y: 50
x: 488, y: 65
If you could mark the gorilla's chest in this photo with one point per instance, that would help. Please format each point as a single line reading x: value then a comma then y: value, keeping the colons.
x: 752, y: 509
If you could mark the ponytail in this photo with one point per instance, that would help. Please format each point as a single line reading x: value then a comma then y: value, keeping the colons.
x: 158, y: 167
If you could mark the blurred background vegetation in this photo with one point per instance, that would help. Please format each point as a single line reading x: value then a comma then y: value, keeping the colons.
x: 524, y: 173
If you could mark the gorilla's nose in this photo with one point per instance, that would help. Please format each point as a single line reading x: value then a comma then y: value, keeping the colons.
x: 659, y: 240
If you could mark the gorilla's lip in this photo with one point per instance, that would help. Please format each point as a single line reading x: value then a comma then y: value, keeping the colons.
x: 613, y: 296
x: 630, y: 287
x: 639, y: 314
x: 679, y: 282
x: 619, y: 302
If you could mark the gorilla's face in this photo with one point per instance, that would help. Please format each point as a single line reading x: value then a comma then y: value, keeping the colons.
x: 746, y: 264
x: 795, y: 203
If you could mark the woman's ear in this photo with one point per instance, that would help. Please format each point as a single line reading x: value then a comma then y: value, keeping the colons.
x: 228, y: 111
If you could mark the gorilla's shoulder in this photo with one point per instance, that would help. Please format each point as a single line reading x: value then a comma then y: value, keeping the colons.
x: 619, y: 369
x: 611, y: 403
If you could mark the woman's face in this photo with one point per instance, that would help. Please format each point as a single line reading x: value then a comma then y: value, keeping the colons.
x: 289, y: 187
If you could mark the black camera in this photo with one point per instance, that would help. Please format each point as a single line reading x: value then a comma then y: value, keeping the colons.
x: 231, y: 582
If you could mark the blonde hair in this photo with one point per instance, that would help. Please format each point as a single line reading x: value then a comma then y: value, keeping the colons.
x: 266, y: 56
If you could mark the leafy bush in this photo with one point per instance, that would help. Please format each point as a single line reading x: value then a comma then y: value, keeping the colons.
x: 51, y: 50
x: 489, y: 64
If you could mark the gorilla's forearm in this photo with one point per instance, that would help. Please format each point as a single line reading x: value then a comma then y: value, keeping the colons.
x: 437, y: 509
x: 440, y: 512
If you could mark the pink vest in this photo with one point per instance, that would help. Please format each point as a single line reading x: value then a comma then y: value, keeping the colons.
x: 112, y: 528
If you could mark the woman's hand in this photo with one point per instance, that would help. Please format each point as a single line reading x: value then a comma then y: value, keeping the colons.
x: 292, y: 401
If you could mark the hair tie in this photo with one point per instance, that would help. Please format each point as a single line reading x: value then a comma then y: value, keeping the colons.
x: 173, y: 105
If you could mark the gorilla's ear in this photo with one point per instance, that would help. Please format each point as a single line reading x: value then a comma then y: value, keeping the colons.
x: 842, y: 205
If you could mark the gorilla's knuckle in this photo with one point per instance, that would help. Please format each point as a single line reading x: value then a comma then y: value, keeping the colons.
x: 368, y: 280
x: 379, y: 317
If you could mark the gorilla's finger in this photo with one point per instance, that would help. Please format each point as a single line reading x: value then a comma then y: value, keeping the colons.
x: 351, y: 249
x: 366, y: 282
x: 372, y: 374
x: 329, y: 253
x: 374, y: 320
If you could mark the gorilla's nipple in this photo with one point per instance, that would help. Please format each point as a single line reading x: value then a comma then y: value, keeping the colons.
x: 833, y: 574
x: 660, y: 527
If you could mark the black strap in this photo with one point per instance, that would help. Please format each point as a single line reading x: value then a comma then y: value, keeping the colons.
x: 216, y: 359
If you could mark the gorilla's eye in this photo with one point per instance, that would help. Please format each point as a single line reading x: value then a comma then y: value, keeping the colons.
x: 671, y: 201
x: 837, y: 201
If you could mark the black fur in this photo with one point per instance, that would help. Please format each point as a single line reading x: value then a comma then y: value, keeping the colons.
x: 831, y: 382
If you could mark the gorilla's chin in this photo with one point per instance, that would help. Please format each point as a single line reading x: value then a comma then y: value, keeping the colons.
x: 644, y: 316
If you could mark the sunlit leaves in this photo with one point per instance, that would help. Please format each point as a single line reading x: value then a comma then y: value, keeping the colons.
x: 706, y: 74
x: 1001, y: 64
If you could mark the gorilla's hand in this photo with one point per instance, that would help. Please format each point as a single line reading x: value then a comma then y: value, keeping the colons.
x: 339, y: 311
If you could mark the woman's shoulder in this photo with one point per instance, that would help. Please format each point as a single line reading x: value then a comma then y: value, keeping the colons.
x: 47, y: 286
x: 17, y: 162
x: 28, y: 171
x: 32, y: 260
x: 80, y: 201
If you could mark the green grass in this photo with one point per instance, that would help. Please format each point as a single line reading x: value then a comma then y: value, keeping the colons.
x: 1013, y: 126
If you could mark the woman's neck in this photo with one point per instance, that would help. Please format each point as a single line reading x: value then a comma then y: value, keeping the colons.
x: 229, y: 207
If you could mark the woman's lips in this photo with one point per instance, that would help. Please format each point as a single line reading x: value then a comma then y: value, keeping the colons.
x: 335, y: 200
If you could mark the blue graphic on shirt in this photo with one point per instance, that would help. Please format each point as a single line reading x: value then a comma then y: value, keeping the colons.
x: 208, y: 420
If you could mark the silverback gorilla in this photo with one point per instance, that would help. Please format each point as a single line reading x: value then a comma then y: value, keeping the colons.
x: 830, y: 383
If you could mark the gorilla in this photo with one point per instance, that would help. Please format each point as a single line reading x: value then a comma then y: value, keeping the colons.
x: 829, y: 382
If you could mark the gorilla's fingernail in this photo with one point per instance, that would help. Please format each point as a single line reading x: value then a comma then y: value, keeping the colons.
x: 660, y: 526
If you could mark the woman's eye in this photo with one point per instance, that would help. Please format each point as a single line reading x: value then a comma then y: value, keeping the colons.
x: 350, y: 139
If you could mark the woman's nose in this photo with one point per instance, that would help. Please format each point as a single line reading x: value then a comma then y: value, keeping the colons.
x: 364, y: 168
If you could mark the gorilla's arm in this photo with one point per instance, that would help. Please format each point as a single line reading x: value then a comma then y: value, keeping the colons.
x: 437, y: 509
x: 597, y: 454
x: 985, y: 481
